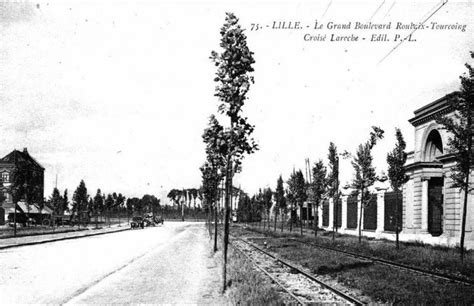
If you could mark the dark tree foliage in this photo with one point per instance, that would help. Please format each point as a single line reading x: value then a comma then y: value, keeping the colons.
x: 129, y: 206
x: 56, y: 202
x: 109, y: 202
x: 79, y: 198
x: 297, y: 191
x: 98, y: 203
x: 267, y: 195
x: 234, y: 65
x: 27, y: 185
x: 333, y: 182
x: 396, y: 159
x: 65, y: 201
x: 248, y: 210
x: 210, y: 184
x: 319, y: 187
x: 280, y: 200
x: 365, y: 175
x: 175, y: 195
x: 460, y: 126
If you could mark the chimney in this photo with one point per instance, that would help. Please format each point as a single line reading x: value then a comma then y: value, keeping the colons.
x: 25, y: 150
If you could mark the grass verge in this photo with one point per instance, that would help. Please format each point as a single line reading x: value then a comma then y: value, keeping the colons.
x: 428, y: 257
x: 380, y: 282
x: 246, y: 285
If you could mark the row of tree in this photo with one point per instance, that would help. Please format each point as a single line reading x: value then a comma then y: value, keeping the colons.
x: 324, y: 182
x: 85, y: 206
x: 187, y: 196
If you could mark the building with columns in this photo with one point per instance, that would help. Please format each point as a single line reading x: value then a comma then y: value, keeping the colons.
x: 430, y: 209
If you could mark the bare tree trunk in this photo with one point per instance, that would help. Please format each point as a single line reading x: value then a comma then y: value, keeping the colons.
x: 275, y: 225
x: 14, y: 219
x: 463, y: 228
x: 216, y: 220
x: 301, y: 219
x: 226, y: 221
x: 307, y: 216
x: 466, y: 186
x: 316, y: 219
x: 291, y: 218
x: 282, y: 219
x: 361, y: 214
x: 397, y: 226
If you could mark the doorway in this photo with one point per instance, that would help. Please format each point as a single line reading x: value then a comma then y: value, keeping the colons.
x: 435, y: 206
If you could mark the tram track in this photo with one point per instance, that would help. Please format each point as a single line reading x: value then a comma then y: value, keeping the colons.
x: 378, y: 260
x: 303, y: 287
x: 424, y: 272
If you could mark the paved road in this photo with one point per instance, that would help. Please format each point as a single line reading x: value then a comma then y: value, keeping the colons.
x: 165, y: 264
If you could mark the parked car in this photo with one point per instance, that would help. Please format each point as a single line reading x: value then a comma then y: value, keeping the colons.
x: 158, y: 219
x: 137, y: 222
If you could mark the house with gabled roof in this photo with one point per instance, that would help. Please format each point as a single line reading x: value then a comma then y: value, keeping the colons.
x: 13, y: 166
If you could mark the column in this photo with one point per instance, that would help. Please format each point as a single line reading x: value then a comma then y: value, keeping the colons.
x: 344, y: 212
x: 424, y: 205
x: 331, y: 213
x: 380, y: 210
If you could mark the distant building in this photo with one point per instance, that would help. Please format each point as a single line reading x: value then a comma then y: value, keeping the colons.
x: 12, y: 165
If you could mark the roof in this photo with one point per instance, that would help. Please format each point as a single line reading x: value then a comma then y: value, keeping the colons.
x: 16, y: 157
x: 429, y: 111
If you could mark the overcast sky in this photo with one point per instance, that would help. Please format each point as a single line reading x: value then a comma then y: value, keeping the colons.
x: 118, y: 93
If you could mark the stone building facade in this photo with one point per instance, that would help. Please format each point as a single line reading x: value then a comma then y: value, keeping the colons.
x: 431, y: 209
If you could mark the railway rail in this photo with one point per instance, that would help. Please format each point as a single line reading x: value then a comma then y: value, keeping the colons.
x: 434, y: 274
x: 304, y: 288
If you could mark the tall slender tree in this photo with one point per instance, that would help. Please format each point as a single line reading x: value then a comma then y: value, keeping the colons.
x: 333, y: 183
x: 365, y: 175
x: 56, y: 202
x: 210, y: 184
x: 234, y: 65
x: 79, y: 201
x: 319, y: 186
x: 460, y: 126
x: 280, y: 200
x: 98, y: 206
x: 396, y: 173
x: 65, y: 201
x: 297, y: 192
x: 109, y: 203
x: 267, y: 195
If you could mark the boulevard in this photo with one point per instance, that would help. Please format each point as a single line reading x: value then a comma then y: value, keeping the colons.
x: 163, y: 264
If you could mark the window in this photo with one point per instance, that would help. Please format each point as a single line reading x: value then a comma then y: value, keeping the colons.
x: 5, y: 177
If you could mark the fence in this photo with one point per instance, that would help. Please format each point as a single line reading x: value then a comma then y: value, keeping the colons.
x: 352, y: 212
x: 370, y: 213
x: 338, y: 213
x: 391, y: 200
x: 326, y: 213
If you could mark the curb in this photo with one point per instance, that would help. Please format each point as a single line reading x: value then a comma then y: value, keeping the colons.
x: 59, y: 239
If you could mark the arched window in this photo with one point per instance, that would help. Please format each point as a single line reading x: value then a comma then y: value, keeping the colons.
x: 434, y: 146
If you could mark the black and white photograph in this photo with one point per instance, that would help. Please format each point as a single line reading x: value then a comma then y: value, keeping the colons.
x: 237, y: 152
